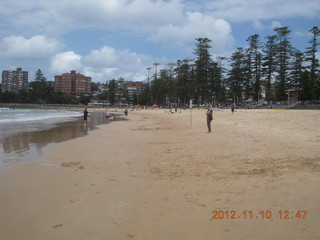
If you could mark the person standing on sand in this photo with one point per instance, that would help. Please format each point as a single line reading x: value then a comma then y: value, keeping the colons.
x: 232, y: 108
x: 209, y: 117
x: 85, y: 116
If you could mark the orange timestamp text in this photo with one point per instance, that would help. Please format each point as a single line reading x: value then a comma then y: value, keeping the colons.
x: 260, y: 214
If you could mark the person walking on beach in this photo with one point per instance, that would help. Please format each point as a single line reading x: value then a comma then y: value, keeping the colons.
x: 209, y: 117
x: 126, y: 112
x: 232, y: 108
x: 85, y: 116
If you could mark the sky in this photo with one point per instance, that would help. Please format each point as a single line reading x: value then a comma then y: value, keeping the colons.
x: 109, y: 39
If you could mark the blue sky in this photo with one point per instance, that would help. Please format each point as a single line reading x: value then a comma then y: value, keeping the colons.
x: 109, y: 39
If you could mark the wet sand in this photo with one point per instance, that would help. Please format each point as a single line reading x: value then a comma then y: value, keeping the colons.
x: 155, y: 177
x: 25, y: 142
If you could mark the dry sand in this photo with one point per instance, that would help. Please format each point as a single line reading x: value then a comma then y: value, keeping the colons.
x: 155, y: 177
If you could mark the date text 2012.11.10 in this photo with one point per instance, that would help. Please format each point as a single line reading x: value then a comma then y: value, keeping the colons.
x: 261, y: 214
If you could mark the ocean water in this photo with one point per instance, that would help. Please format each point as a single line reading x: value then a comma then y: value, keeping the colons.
x: 20, y: 120
x: 23, y: 115
x: 18, y: 115
x: 25, y: 132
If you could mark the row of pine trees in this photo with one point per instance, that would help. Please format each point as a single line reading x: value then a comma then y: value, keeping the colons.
x: 273, y: 62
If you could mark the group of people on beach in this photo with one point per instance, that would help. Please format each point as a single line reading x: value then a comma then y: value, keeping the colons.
x: 209, y: 113
x: 109, y: 116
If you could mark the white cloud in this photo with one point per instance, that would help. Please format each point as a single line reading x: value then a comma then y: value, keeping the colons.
x: 134, y: 14
x: 275, y: 24
x: 257, y: 25
x: 28, y: 29
x: 103, y: 64
x: 106, y: 56
x: 198, y: 25
x: 60, y: 16
x: 65, y: 62
x: 301, y: 34
x: 18, y: 47
x: 115, y: 63
x: 250, y: 10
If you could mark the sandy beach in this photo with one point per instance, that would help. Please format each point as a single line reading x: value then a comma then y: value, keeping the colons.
x: 160, y: 176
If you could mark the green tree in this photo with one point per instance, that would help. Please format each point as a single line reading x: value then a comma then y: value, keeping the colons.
x: 39, y: 77
x: 283, y: 61
x: 168, y: 75
x: 85, y: 98
x: 203, y: 66
x: 258, y: 73
x: 250, y: 56
x: 113, y: 88
x: 159, y: 89
x: 313, y: 62
x: 237, y: 75
x: 135, y: 98
x: 306, y: 90
x: 143, y: 98
x: 220, y: 80
x: 22, y: 96
x: 253, y: 55
x: 184, y: 81
x: 94, y: 87
x: 269, y: 63
x: 9, y: 97
x: 214, y: 84
x: 296, y: 71
x: 39, y: 89
x: 104, y: 95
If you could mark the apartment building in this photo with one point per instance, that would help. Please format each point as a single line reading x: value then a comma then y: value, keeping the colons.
x: 72, y: 83
x: 133, y: 88
x: 13, y: 81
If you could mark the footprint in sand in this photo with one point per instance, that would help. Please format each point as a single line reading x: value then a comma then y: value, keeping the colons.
x: 70, y: 164
x: 57, y: 226
x: 74, y: 200
x: 202, y: 205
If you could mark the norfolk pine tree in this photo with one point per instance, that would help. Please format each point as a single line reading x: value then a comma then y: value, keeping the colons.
x: 269, y: 64
x: 284, y: 50
x: 313, y: 63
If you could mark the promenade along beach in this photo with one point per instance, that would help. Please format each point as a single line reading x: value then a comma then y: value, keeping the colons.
x: 161, y: 176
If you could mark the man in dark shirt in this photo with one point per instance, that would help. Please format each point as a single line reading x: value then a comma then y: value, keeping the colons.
x: 85, y: 116
x: 209, y: 117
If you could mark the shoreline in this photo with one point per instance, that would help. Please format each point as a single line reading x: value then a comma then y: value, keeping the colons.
x: 155, y: 177
x: 27, y: 145
x: 41, y: 106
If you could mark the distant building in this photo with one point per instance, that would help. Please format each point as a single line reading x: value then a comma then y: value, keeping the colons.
x: 13, y: 81
x: 133, y: 88
x: 72, y: 83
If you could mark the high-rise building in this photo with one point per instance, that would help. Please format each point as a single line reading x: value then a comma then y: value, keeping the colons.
x: 72, y: 83
x: 13, y: 81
